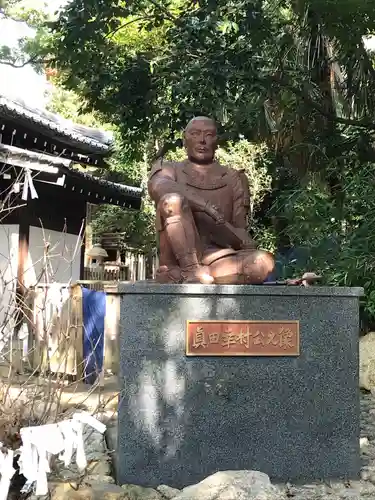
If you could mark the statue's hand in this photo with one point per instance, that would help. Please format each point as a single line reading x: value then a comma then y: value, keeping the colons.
x: 214, y: 212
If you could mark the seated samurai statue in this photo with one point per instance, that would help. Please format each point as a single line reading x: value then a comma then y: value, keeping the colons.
x: 201, y: 217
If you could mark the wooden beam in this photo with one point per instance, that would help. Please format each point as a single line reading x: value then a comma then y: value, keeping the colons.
x: 31, y: 159
x: 9, y: 178
x: 58, y: 182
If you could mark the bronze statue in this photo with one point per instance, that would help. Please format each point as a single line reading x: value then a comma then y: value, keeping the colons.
x: 201, y: 217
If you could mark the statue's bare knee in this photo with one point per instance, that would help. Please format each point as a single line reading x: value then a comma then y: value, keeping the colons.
x: 172, y: 204
x: 266, y: 259
x: 257, y: 265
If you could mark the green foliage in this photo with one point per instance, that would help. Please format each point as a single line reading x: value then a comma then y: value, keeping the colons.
x: 69, y: 105
x: 29, y: 50
x: 137, y: 227
x: 32, y: 12
x: 255, y: 161
x: 294, y: 76
x: 341, y: 245
x: 258, y: 67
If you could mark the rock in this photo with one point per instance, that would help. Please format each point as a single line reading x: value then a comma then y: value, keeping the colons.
x: 111, y: 436
x: 133, y: 492
x: 98, y: 478
x: 94, y: 442
x: 167, y: 492
x: 100, y: 467
x: 97, y: 491
x: 233, y: 485
x: 363, y: 442
x: 65, y: 491
x: 103, y: 491
x: 367, y: 489
x: 365, y: 475
x: 111, y: 441
x: 70, y: 473
x: 367, y: 361
x: 96, y: 454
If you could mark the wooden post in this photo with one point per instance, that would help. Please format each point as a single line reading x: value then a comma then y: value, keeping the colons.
x: 76, y: 328
x: 17, y: 346
x: 23, y: 251
x: 88, y: 232
x: 111, y: 330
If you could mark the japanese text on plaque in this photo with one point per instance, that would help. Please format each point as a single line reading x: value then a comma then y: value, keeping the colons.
x: 246, y: 338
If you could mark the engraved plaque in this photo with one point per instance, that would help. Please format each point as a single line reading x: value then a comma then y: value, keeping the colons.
x: 242, y: 338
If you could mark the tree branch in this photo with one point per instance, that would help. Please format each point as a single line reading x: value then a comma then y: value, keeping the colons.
x: 119, y: 28
x: 165, y: 11
x: 168, y: 146
x: 32, y: 60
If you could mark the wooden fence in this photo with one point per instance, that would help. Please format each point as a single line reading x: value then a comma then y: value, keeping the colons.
x: 54, y: 323
x: 137, y: 266
x: 105, y: 274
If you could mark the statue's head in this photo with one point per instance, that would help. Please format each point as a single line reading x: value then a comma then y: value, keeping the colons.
x: 200, y: 140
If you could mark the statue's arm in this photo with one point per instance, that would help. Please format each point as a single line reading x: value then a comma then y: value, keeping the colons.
x: 241, y: 207
x: 162, y: 181
x: 241, y: 200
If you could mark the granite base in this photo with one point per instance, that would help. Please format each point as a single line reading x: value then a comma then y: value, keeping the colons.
x: 184, y: 418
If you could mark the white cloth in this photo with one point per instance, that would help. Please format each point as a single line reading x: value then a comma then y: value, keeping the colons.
x: 60, y: 439
x: 6, y: 471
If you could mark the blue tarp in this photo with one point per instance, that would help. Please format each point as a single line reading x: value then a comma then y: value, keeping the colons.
x: 286, y: 261
x: 94, y: 306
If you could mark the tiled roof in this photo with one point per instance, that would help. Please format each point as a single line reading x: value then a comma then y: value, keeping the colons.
x: 88, y: 186
x: 106, y: 188
x: 89, y: 139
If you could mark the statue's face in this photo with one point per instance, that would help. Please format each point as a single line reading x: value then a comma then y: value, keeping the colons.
x: 201, y: 141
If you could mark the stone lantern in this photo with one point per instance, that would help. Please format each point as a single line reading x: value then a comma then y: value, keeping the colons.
x: 97, y: 254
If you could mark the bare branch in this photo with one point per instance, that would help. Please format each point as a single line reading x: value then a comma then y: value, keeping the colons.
x: 32, y: 60
x: 122, y: 26
x: 165, y: 11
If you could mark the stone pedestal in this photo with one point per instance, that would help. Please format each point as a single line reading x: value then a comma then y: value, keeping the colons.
x: 183, y: 418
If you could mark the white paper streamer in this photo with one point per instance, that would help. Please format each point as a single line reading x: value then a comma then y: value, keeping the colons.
x: 60, y: 439
x: 6, y: 471
x: 28, y: 185
x: 88, y: 419
x: 69, y: 437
